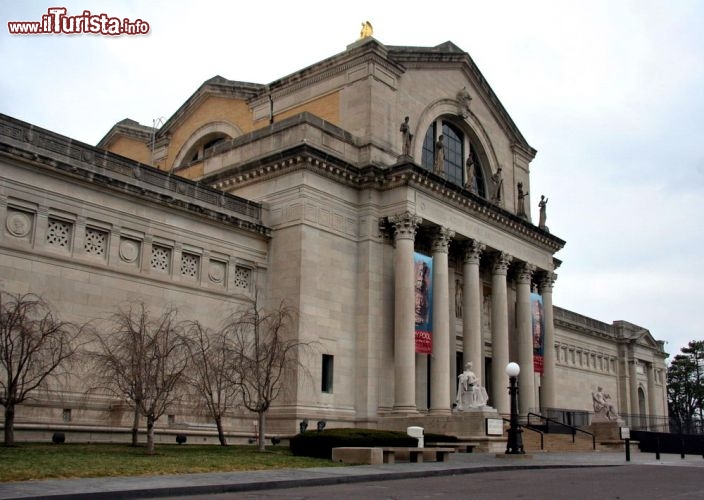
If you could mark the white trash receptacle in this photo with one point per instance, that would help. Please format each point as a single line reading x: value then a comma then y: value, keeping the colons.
x: 416, y: 432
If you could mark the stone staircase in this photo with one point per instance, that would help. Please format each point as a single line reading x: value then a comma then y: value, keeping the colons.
x: 557, y: 442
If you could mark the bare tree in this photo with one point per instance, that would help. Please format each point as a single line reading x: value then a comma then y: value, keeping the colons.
x: 34, y: 345
x: 265, y: 357
x: 212, y: 373
x: 143, y: 359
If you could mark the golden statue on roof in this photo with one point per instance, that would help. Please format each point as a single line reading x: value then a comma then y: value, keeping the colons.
x: 367, y: 30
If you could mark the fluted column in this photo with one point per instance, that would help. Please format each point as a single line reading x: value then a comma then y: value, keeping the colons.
x: 499, y: 333
x: 652, y: 411
x: 633, y: 376
x: 405, y: 226
x: 548, y: 378
x: 471, y: 319
x: 440, y: 367
x: 524, y: 323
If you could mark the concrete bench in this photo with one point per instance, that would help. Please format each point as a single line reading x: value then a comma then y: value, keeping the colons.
x: 458, y: 446
x: 358, y: 455
x: 416, y: 455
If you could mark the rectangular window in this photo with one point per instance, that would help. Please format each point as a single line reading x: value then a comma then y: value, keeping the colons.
x: 328, y: 362
x: 66, y: 416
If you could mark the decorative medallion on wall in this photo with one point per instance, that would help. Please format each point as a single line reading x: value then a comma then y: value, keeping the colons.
x: 216, y: 271
x: 18, y: 224
x: 129, y: 250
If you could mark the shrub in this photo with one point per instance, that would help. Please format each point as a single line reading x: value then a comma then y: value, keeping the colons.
x: 181, y: 438
x: 320, y: 444
x: 440, y: 438
x: 58, y: 438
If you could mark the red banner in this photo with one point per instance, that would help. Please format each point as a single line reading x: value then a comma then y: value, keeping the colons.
x: 423, y: 270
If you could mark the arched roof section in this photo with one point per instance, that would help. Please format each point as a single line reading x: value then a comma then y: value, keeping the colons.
x: 202, y: 135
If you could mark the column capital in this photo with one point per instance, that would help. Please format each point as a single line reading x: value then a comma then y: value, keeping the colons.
x: 473, y: 251
x: 405, y: 225
x: 525, y: 273
x: 441, y: 240
x: 501, y: 262
x: 547, y: 281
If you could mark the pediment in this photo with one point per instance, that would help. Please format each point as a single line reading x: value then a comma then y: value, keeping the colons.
x: 448, y: 55
x: 216, y: 86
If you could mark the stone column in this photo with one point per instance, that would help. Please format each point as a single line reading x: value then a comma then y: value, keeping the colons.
x: 405, y: 226
x: 499, y: 333
x: 524, y: 327
x: 471, y: 319
x: 440, y: 367
x: 652, y: 411
x: 548, y: 379
x: 633, y: 386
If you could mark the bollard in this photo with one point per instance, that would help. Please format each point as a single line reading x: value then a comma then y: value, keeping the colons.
x: 657, y: 448
x: 628, y: 450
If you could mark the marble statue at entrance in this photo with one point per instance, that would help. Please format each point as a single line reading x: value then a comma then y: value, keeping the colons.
x: 470, y: 394
x: 604, y: 410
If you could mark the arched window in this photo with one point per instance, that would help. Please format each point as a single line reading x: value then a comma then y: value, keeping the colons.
x: 198, y: 150
x: 455, y: 145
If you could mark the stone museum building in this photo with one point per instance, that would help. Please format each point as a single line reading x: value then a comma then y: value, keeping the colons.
x: 383, y: 192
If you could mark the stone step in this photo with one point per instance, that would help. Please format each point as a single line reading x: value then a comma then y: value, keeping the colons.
x: 556, y: 442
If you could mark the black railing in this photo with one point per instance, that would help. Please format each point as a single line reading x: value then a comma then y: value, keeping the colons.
x: 573, y: 430
x: 540, y: 433
x: 576, y: 418
x: 657, y: 423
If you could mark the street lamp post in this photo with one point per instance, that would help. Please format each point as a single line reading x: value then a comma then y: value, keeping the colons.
x: 514, y: 445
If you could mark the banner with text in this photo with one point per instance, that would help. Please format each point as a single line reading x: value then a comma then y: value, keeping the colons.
x: 423, y: 267
x: 536, y: 303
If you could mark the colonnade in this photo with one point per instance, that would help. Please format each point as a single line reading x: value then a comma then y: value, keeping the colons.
x: 405, y: 227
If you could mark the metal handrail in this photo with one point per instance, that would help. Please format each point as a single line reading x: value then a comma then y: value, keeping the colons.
x: 530, y: 429
x: 574, y: 429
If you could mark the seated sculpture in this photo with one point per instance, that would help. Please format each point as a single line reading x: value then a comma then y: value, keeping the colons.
x: 470, y: 394
x: 603, y: 407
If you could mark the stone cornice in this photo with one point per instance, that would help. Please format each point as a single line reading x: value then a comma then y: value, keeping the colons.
x: 26, y: 143
x: 328, y: 164
x: 216, y: 86
x: 128, y: 128
x: 370, y: 51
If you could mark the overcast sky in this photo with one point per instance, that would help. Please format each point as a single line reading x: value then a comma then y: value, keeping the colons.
x: 610, y: 93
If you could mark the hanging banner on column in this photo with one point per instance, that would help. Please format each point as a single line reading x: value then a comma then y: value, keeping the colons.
x: 536, y: 303
x: 423, y: 267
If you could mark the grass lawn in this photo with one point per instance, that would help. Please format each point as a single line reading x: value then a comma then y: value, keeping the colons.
x: 28, y: 461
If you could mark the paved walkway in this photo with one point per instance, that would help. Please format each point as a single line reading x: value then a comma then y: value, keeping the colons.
x: 223, y: 482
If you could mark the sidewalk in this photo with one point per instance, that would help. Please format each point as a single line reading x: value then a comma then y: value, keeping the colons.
x: 222, y: 482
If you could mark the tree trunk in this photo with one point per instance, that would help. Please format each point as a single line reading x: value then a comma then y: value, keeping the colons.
x: 135, y: 426
x: 221, y: 433
x: 150, y: 435
x: 10, y: 425
x: 262, y: 431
